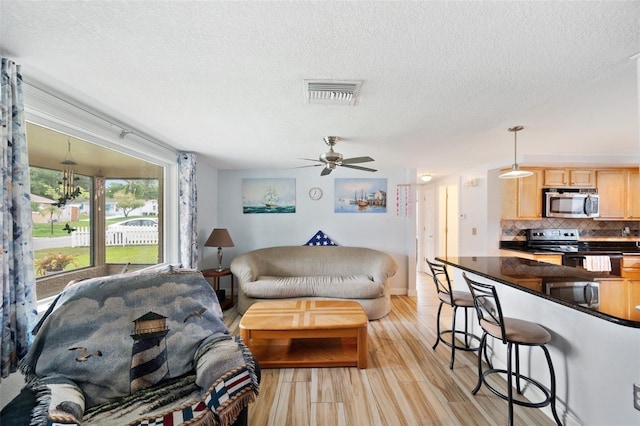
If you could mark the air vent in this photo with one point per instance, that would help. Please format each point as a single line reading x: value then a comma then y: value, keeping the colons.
x: 331, y: 92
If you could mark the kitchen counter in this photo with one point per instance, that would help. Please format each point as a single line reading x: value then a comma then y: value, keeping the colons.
x: 590, y: 349
x: 521, y: 273
x: 625, y: 247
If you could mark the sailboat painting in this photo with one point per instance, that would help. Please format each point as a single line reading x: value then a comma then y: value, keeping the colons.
x: 268, y: 195
x: 360, y: 196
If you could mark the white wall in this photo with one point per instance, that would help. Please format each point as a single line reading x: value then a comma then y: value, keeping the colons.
x: 382, y: 231
x: 479, y: 213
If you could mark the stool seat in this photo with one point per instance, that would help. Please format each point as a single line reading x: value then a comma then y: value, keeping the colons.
x: 513, y: 332
x: 460, y: 298
x: 518, y: 331
x: 456, y: 299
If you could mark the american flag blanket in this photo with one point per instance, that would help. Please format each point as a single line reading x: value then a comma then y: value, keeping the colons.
x: 138, y: 349
x: 320, y: 239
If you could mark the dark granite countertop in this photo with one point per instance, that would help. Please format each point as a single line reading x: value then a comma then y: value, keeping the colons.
x: 625, y: 247
x: 515, y: 272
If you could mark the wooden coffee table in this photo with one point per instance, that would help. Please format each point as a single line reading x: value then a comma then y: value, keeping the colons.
x: 306, y: 333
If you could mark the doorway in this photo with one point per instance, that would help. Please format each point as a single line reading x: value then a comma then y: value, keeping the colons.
x: 438, y: 223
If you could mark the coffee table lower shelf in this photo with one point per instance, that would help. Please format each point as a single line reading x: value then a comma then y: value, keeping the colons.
x: 296, y: 353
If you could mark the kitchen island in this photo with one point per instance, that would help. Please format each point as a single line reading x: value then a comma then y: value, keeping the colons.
x: 616, y: 303
x: 595, y: 351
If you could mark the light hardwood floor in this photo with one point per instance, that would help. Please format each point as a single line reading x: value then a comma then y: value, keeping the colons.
x: 406, y: 382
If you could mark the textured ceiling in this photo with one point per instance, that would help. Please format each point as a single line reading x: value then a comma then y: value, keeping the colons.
x: 442, y: 81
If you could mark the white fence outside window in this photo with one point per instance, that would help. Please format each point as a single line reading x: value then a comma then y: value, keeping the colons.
x: 123, y: 236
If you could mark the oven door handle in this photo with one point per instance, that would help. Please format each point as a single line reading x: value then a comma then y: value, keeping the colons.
x: 588, y: 294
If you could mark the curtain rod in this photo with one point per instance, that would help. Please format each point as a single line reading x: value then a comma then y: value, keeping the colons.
x: 99, y: 116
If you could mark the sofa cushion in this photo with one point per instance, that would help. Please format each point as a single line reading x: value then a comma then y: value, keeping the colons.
x: 339, y: 287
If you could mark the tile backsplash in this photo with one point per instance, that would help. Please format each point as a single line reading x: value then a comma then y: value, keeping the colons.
x: 515, y: 229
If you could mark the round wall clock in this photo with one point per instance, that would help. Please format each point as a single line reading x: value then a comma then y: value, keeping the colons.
x: 315, y: 193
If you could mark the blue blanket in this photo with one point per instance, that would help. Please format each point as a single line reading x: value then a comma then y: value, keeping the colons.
x: 107, y: 341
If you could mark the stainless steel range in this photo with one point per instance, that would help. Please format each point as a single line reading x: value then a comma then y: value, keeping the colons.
x: 556, y: 240
x: 574, y: 252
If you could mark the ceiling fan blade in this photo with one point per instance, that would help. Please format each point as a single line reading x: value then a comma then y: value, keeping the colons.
x: 325, y: 171
x: 366, y: 169
x: 311, y: 159
x: 310, y: 165
x: 357, y: 160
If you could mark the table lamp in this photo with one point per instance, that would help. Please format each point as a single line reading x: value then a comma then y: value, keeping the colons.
x: 219, y: 238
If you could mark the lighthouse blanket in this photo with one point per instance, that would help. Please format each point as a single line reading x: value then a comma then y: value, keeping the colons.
x: 138, y: 348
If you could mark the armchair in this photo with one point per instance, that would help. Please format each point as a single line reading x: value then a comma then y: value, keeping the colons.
x: 137, y: 348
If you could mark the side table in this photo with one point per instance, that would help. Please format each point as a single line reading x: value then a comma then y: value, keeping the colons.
x: 215, y: 275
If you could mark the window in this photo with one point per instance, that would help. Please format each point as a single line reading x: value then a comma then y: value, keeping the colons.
x: 113, y: 222
x: 133, y: 240
x: 55, y: 227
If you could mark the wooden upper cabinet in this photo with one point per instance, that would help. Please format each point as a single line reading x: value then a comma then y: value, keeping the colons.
x: 619, y: 191
x: 633, y: 194
x: 522, y: 198
x: 579, y: 178
x: 582, y: 178
x: 611, y: 190
x: 556, y: 177
x: 618, y: 188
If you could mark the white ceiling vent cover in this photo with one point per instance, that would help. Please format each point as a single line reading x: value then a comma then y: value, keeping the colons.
x: 331, y: 92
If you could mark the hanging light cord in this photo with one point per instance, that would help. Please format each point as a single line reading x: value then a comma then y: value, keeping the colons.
x: 515, y: 130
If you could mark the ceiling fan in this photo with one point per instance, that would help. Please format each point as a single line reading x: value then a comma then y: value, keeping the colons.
x: 331, y: 159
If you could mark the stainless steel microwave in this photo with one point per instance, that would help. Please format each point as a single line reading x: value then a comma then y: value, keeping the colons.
x: 570, y: 203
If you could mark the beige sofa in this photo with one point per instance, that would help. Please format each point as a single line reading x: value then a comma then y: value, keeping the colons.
x: 305, y: 272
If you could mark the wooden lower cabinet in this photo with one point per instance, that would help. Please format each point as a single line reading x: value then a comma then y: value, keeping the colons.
x: 555, y: 259
x: 619, y: 297
x: 630, y: 267
x: 614, y: 297
x: 530, y: 283
x: 634, y: 298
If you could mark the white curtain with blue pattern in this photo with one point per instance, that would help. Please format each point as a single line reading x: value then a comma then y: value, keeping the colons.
x: 19, y: 310
x: 187, y: 210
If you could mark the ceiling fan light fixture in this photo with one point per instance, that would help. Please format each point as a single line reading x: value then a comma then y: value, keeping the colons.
x: 331, y: 159
x: 515, y: 172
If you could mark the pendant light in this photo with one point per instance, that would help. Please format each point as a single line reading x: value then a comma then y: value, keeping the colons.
x: 515, y: 172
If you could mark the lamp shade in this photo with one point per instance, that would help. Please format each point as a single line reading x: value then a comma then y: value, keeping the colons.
x: 219, y: 238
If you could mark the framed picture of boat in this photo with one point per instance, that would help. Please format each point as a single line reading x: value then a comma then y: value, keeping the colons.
x: 269, y: 195
x: 360, y: 196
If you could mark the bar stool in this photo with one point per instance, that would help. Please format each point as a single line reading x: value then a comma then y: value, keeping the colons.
x: 514, y: 333
x: 456, y: 299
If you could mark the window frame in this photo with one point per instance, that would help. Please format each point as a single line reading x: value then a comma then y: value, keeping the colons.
x: 55, y: 112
